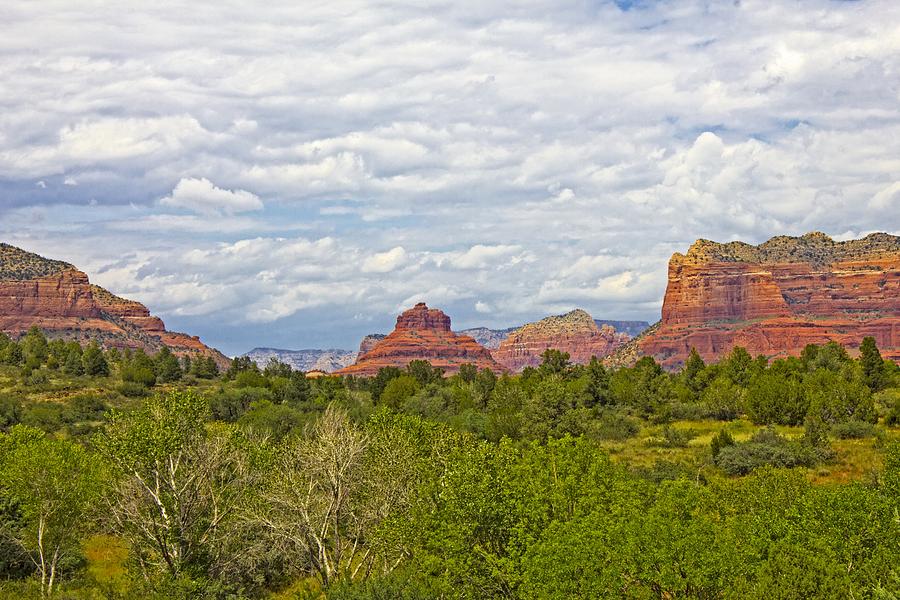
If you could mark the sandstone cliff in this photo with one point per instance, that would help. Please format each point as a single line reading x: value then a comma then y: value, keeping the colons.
x: 779, y: 296
x: 60, y: 299
x: 575, y: 333
x: 422, y: 333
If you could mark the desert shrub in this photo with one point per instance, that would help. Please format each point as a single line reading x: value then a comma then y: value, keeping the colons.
x: 613, y: 425
x: 853, y: 430
x: 741, y: 459
x: 230, y: 404
x: 721, y: 440
x: 685, y: 411
x: 768, y: 448
x: 86, y: 407
x: 47, y: 416
x: 673, y: 438
x: 132, y: 389
x: 10, y: 411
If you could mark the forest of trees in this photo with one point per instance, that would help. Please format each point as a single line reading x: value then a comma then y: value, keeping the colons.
x: 128, y: 475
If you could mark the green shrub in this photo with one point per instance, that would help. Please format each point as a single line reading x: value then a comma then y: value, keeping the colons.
x: 721, y: 440
x: 132, y: 389
x: 673, y: 438
x: 615, y: 426
x: 853, y: 430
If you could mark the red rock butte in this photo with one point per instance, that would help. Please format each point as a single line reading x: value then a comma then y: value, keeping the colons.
x: 575, y: 332
x: 60, y: 300
x: 422, y: 333
x: 777, y: 297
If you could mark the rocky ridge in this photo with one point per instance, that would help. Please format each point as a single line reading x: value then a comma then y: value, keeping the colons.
x: 305, y: 360
x: 575, y: 332
x: 779, y: 296
x: 58, y: 298
x: 422, y: 333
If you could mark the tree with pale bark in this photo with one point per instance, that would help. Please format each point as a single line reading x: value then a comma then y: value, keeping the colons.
x: 55, y: 485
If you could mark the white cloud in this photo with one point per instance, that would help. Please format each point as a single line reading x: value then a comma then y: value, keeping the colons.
x: 384, y: 262
x: 509, y: 157
x: 201, y: 196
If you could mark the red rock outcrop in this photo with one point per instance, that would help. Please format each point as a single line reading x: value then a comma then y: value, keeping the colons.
x: 60, y: 299
x: 777, y: 297
x: 422, y: 333
x: 575, y: 332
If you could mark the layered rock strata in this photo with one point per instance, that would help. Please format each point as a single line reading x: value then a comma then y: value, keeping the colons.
x: 422, y: 333
x: 575, y: 332
x: 777, y: 297
x: 59, y: 299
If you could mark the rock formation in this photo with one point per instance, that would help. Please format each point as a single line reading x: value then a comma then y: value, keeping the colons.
x: 422, y: 333
x: 574, y: 332
x: 368, y: 343
x: 59, y: 299
x: 632, y: 328
x: 311, y: 359
x: 777, y: 297
x: 489, y: 338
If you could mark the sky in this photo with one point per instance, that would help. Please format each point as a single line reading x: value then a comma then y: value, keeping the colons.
x: 294, y: 174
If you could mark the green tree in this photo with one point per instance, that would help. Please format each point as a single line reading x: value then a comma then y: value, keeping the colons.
x: 423, y: 372
x: 73, y: 364
x: 34, y: 345
x: 398, y: 390
x: 56, y: 485
x: 693, y: 370
x: 598, y: 384
x: 554, y: 362
x: 179, y: 485
x: 205, y: 367
x: 874, y: 373
x: 93, y: 361
x: 165, y: 366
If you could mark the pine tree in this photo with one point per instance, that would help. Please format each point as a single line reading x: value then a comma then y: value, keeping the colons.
x: 874, y: 375
x: 94, y: 362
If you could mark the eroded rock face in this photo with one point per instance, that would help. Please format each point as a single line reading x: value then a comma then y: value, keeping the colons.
x: 574, y: 332
x: 777, y: 297
x: 422, y: 333
x: 60, y: 299
x: 369, y: 342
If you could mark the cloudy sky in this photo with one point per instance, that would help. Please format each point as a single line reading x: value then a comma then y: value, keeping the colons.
x: 295, y: 173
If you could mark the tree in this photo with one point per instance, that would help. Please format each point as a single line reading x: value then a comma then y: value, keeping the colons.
x: 309, y: 507
x: 423, y: 372
x: 178, y: 484
x: 467, y: 372
x: 56, y: 485
x: 73, y: 364
x: 554, y: 362
x: 380, y: 381
x: 93, y: 361
x: 276, y: 368
x: 205, y: 367
x: 598, y: 384
x: 398, y: 390
x: 693, y: 368
x: 874, y: 373
x: 34, y: 345
x: 165, y: 365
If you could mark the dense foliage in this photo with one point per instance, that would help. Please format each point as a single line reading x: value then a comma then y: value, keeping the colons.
x: 129, y: 475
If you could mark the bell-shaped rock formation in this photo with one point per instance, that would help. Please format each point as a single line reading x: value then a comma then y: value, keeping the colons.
x: 421, y: 333
x: 777, y: 297
x: 575, y: 332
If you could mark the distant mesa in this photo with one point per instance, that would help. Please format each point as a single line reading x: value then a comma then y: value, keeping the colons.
x: 421, y: 333
x: 368, y: 343
x: 777, y: 297
x: 489, y: 338
x: 59, y: 299
x: 307, y: 360
x: 575, y: 332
